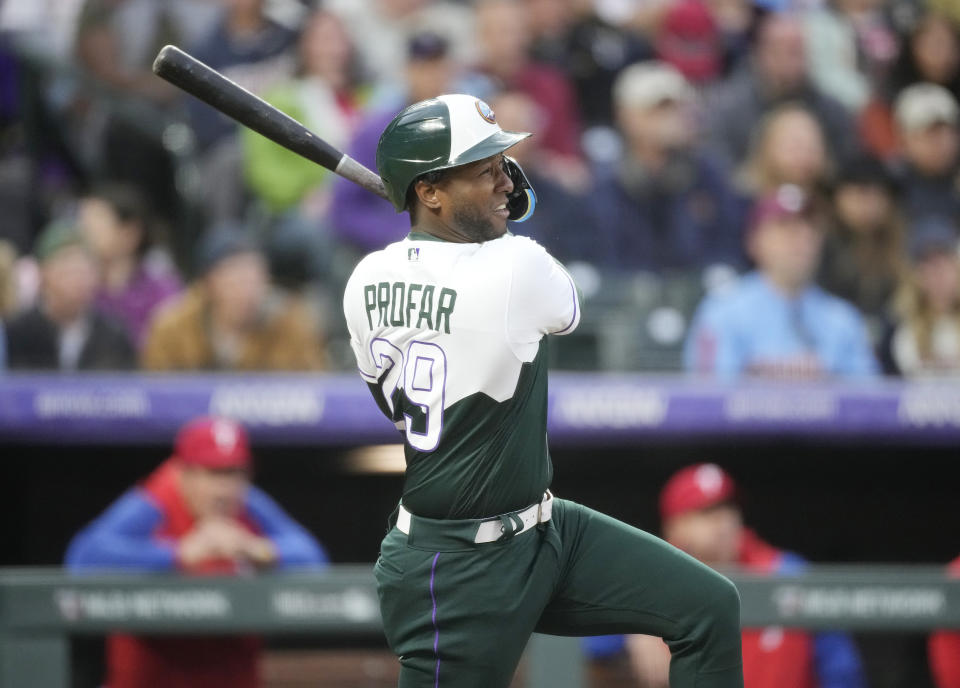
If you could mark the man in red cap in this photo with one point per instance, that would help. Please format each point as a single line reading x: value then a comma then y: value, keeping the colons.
x: 196, y: 514
x: 944, y: 648
x: 700, y: 515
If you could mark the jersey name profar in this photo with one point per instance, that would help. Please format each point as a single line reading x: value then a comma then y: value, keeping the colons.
x: 399, y: 304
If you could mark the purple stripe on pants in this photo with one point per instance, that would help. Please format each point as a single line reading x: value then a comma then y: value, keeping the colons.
x: 436, y: 629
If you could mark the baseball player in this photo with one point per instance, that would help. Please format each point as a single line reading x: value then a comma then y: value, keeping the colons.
x: 448, y: 327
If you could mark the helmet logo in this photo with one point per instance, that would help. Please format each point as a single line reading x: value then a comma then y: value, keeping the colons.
x: 486, y: 112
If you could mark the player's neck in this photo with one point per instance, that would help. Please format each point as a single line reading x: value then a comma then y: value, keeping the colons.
x: 441, y: 232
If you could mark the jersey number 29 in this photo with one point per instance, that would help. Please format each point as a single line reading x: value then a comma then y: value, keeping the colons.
x: 421, y: 377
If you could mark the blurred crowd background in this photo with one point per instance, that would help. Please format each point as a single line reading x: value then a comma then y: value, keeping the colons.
x: 741, y: 187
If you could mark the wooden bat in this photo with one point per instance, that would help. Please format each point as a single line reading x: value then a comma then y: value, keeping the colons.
x: 189, y: 74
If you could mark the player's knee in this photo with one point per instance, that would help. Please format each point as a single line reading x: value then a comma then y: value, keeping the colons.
x: 718, y: 615
x: 717, y: 624
x: 710, y: 627
x: 725, y: 603
x: 713, y: 604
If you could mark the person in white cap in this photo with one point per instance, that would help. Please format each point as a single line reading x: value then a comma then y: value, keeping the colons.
x: 927, y: 116
x: 663, y: 204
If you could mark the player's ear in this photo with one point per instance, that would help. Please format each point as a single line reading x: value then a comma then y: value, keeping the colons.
x: 428, y: 193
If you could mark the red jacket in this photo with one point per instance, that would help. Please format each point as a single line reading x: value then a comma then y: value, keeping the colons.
x: 182, y: 661
x: 773, y: 657
x: 944, y: 650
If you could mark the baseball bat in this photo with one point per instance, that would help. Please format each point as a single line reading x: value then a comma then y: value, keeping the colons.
x: 213, y: 88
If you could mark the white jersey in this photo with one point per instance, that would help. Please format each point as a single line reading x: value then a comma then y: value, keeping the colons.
x: 450, y: 338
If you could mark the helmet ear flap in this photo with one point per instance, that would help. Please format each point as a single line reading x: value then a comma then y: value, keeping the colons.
x: 522, y: 201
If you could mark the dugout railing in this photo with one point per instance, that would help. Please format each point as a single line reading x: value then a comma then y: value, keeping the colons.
x: 41, y: 609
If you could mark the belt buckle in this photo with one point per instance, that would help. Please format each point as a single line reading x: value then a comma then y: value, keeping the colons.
x: 509, y: 527
x: 541, y: 524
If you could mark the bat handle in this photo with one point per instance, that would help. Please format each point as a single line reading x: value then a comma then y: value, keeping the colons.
x: 359, y: 174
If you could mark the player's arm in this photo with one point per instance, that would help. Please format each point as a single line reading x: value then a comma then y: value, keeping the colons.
x: 294, y: 546
x: 123, y: 538
x: 543, y: 298
x: 360, y: 341
x: 357, y: 324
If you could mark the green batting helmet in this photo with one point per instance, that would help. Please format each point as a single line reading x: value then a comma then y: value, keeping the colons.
x: 435, y: 134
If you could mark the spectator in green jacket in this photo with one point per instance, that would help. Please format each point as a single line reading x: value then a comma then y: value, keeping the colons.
x: 325, y: 96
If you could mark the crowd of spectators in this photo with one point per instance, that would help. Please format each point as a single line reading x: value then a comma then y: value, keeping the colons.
x: 742, y: 187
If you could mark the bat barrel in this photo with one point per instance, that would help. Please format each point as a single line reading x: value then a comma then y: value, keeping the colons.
x: 189, y: 74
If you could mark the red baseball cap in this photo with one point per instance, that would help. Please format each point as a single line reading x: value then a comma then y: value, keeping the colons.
x: 695, y: 487
x: 788, y: 200
x: 689, y: 39
x: 213, y: 443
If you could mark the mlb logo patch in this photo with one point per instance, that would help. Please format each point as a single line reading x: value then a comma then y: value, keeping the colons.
x: 413, y: 254
x: 486, y: 112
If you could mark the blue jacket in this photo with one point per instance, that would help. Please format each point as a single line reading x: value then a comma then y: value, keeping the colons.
x: 691, y: 224
x: 124, y: 536
x: 752, y: 326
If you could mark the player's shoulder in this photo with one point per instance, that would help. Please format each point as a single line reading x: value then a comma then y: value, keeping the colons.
x: 519, y: 251
x: 372, y: 265
x: 522, y: 251
x: 521, y: 260
x: 386, y: 253
x: 520, y: 242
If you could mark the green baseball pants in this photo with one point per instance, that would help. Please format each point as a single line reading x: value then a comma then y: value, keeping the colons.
x: 459, y: 614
